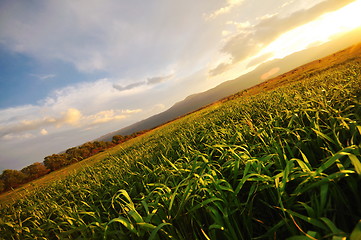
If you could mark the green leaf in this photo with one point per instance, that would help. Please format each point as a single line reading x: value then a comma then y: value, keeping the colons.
x: 310, y: 220
x: 146, y: 226
x: 306, y: 187
x: 170, y: 163
x: 303, y: 165
x: 333, y: 159
x: 136, y: 216
x: 313, y: 234
x: 356, y: 163
x: 217, y: 215
x: 323, y: 195
x: 286, y: 173
x: 359, y: 129
x: 339, y: 238
x: 124, y: 222
x: 322, y: 135
x: 310, y: 211
x: 205, y: 202
x: 216, y: 226
x: 356, y: 233
x: 154, y: 232
x: 309, y: 236
x: 331, y: 225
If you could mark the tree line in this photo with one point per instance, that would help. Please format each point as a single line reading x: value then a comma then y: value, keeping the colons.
x: 10, y: 179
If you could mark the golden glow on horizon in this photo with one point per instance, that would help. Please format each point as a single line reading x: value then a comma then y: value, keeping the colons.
x: 270, y: 73
x: 318, y: 31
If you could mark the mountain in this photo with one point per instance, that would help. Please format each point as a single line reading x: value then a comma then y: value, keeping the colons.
x: 225, y: 89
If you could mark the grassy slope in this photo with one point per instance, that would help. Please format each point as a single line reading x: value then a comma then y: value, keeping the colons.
x: 275, y: 163
x: 291, y: 76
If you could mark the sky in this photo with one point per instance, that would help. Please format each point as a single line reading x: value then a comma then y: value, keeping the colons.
x: 72, y: 71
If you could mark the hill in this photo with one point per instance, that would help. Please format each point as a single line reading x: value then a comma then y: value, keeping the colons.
x: 199, y: 100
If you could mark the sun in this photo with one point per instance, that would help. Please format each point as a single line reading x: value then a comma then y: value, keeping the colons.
x: 316, y: 32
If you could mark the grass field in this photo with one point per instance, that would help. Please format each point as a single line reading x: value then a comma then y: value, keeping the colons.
x: 283, y: 163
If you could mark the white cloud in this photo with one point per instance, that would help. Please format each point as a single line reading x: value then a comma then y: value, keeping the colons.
x: 43, y: 76
x: 226, y: 33
x: 74, y: 107
x: 116, y: 37
x: 267, y: 16
x: 223, y: 10
x: 241, y: 26
x: 86, y: 96
x: 106, y: 116
x: 13, y: 114
x: 130, y: 111
x: 72, y: 117
x: 13, y: 136
x: 44, y: 132
x: 23, y: 127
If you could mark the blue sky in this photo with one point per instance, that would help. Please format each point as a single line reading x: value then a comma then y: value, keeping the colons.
x: 71, y: 71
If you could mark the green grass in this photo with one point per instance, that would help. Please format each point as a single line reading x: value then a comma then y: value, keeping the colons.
x: 276, y: 165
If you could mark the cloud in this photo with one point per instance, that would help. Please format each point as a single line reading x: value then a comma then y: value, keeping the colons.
x: 71, y: 118
x: 223, y: 10
x: 12, y: 136
x: 241, y: 26
x: 222, y: 67
x: 43, y: 76
x: 252, y: 39
x: 149, y: 81
x: 106, y: 116
x: 129, y: 86
x: 88, y: 97
x: 130, y: 111
x: 96, y: 37
x: 17, y: 114
x: 156, y: 80
x: 25, y: 125
x: 287, y: 3
x: 77, y: 107
x: 44, y: 132
x: 259, y: 59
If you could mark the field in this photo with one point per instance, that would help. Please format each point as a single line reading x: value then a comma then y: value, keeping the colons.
x: 282, y: 163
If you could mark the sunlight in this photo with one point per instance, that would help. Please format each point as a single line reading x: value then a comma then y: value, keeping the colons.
x: 300, y: 38
x: 318, y: 31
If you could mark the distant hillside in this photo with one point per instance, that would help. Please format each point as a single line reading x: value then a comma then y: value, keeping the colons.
x: 199, y: 100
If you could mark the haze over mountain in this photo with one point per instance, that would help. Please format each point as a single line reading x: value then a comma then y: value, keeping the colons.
x: 261, y: 73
